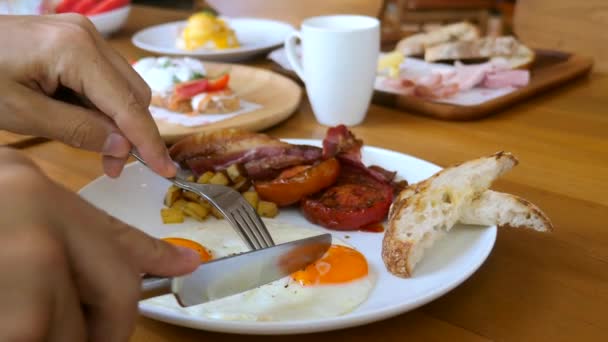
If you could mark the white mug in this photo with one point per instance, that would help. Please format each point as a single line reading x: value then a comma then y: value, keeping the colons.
x: 338, y: 65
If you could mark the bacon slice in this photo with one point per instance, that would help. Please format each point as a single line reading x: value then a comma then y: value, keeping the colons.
x: 341, y: 143
x: 262, y: 156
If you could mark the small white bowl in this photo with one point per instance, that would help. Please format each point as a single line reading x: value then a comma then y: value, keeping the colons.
x: 110, y: 22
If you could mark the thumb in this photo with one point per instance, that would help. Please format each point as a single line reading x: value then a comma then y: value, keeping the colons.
x: 154, y: 256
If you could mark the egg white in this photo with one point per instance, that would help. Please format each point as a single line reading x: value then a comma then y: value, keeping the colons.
x: 281, y: 300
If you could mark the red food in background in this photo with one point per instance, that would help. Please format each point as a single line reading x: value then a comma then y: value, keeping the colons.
x: 106, y: 6
x: 89, y: 7
x: 66, y: 6
x: 84, y: 6
x: 219, y: 83
x: 188, y: 90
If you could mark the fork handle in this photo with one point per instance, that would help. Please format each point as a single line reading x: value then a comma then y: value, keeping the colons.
x: 154, y: 286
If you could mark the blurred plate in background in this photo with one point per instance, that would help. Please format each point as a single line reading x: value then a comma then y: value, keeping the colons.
x: 256, y: 36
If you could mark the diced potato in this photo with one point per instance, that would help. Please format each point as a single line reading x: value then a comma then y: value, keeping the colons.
x: 235, y: 173
x: 189, y: 195
x: 252, y: 197
x: 172, y: 195
x: 180, y: 204
x: 267, y: 209
x: 216, y: 213
x: 204, y: 203
x: 190, y: 178
x: 170, y: 215
x: 243, y: 185
x: 205, y: 177
x: 196, y: 211
x: 219, y: 178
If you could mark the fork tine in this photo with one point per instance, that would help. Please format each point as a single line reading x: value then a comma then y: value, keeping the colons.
x: 259, y: 224
x: 245, y: 237
x: 245, y: 228
x: 242, y: 210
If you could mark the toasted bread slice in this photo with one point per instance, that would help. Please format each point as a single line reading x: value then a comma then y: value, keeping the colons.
x: 501, y: 209
x: 517, y: 55
x: 497, y: 208
x: 415, y: 45
x: 430, y: 208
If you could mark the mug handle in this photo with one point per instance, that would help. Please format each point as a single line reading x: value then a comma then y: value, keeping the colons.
x: 292, y: 56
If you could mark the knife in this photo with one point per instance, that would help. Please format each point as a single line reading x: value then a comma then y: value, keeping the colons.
x: 226, y: 276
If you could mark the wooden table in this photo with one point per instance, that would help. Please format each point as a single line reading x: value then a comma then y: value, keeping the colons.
x: 533, y: 286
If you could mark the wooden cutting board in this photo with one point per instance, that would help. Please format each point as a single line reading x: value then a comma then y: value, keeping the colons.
x: 550, y: 69
x: 278, y: 95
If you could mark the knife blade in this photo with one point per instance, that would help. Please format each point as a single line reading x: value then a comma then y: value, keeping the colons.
x: 226, y: 276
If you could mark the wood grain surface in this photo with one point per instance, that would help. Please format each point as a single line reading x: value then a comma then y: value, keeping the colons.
x: 294, y: 11
x: 575, y: 26
x: 533, y: 286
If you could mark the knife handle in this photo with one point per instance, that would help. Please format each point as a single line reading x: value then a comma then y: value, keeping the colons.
x: 152, y: 286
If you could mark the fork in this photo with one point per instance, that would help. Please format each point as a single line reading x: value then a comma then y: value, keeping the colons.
x: 230, y: 203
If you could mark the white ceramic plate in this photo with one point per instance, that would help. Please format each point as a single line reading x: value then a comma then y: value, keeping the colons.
x: 111, y: 21
x: 256, y: 36
x: 136, y: 197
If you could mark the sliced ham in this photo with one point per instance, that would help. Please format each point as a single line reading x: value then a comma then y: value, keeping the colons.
x: 506, y: 78
x: 439, y: 83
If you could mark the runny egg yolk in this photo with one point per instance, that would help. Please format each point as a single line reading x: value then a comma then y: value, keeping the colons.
x: 340, y: 264
x: 205, y: 27
x: 197, y: 247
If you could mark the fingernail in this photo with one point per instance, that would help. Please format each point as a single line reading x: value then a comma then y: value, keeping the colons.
x: 188, y: 253
x: 116, y: 145
x: 170, y: 166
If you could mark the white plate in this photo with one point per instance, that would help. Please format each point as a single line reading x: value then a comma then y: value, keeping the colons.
x: 111, y: 21
x: 256, y: 36
x: 136, y: 197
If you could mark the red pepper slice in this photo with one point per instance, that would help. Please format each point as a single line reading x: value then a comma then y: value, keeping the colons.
x: 188, y: 90
x: 106, y: 6
x: 219, y: 83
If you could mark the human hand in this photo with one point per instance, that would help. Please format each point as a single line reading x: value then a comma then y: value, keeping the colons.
x: 43, y: 56
x: 70, y: 272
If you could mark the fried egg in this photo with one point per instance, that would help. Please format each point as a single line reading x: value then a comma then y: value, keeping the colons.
x: 334, y: 285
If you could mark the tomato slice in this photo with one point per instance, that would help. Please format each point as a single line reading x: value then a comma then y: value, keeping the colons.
x: 356, y: 201
x: 296, y: 183
x: 219, y: 83
x: 188, y: 90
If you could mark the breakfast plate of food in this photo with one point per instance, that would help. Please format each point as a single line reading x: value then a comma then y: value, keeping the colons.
x: 404, y: 231
x: 190, y: 96
x: 206, y: 36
